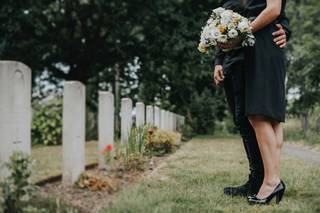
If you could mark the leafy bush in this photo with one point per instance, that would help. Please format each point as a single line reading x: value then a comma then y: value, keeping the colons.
x: 161, y: 141
x: 47, y: 123
x: 95, y: 182
x: 226, y: 126
x: 130, y: 155
x: 206, y: 108
x: 136, y: 140
x: 187, y: 132
x: 135, y: 162
x: 91, y: 125
x: 1, y: 201
x: 17, y: 189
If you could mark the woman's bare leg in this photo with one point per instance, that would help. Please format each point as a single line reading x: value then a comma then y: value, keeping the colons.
x: 269, y: 149
x: 278, y: 130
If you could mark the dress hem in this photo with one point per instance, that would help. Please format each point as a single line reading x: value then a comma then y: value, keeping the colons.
x: 266, y: 116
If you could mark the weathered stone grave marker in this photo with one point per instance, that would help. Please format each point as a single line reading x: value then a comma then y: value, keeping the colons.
x: 74, y: 99
x: 15, y: 111
x: 150, y: 115
x: 140, y: 114
x: 157, y: 117
x: 105, y: 124
x: 126, y: 119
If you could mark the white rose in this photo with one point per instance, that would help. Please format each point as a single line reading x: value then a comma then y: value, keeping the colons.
x: 215, y: 33
x: 222, y: 39
x: 226, y: 14
x: 233, y: 33
x: 251, y: 42
x: 218, y: 10
x: 225, y: 20
x: 214, y: 23
x: 243, y: 26
x: 210, y: 20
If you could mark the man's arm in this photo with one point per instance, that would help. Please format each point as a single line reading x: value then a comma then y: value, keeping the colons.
x: 284, y: 32
x: 284, y: 21
x: 217, y: 66
x: 218, y: 58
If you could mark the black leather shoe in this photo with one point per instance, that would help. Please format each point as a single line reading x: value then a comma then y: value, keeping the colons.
x: 242, y: 191
x: 277, y: 193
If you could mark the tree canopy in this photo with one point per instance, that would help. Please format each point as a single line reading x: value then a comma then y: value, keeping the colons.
x: 149, y: 46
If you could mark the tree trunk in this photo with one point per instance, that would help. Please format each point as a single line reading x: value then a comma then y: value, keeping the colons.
x: 117, y: 94
x: 305, y: 122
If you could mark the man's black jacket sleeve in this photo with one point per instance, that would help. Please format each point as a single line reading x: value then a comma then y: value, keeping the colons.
x: 218, y: 57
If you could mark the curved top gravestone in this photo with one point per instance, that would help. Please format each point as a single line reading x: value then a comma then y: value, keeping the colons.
x: 15, y: 110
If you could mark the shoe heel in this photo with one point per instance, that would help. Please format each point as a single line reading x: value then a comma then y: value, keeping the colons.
x: 279, y: 196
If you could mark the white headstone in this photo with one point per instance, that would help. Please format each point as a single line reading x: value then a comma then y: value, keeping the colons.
x: 167, y: 127
x: 149, y: 116
x: 157, y: 117
x: 170, y: 121
x: 105, y: 124
x: 15, y: 111
x: 140, y: 114
x: 74, y: 100
x: 174, y: 122
x: 163, y: 119
x: 126, y: 119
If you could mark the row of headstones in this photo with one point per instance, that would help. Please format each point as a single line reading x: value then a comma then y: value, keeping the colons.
x: 150, y: 115
x: 16, y: 118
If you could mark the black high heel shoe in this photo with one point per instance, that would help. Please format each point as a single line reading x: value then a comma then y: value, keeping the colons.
x: 277, y: 192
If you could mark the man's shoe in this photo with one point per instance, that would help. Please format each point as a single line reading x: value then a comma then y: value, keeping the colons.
x: 242, y: 191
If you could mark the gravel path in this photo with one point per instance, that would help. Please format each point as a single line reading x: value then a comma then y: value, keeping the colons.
x: 302, y: 152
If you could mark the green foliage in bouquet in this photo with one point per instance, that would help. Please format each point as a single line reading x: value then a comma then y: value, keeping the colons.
x: 161, y: 142
x: 47, y: 122
x: 17, y: 189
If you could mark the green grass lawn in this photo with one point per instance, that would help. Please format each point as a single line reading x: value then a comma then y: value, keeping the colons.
x: 192, y: 180
x: 294, y: 133
x: 48, y: 160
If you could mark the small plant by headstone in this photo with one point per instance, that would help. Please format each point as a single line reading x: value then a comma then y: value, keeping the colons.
x: 161, y: 142
x: 94, y: 182
x: 107, y: 153
x: 17, y: 189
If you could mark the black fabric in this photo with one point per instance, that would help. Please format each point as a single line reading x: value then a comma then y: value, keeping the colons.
x: 234, y: 86
x: 226, y: 59
x: 265, y: 70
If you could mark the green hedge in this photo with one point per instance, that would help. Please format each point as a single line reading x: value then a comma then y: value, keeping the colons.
x: 47, y: 122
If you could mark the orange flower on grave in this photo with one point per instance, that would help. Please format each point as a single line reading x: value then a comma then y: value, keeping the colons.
x: 108, y: 148
x: 150, y: 131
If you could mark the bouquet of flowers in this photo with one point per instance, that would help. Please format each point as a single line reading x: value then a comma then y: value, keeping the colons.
x: 225, y: 26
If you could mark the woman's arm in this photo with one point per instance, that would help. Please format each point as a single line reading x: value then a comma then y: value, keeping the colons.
x: 269, y: 14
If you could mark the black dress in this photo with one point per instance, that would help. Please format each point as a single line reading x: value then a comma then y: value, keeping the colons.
x: 265, y: 70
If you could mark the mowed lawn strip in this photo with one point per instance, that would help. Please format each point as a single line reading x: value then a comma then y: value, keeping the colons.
x: 48, y: 160
x: 192, y: 180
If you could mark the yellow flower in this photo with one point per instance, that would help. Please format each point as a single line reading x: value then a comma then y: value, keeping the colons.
x: 202, y: 48
x: 222, y: 28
